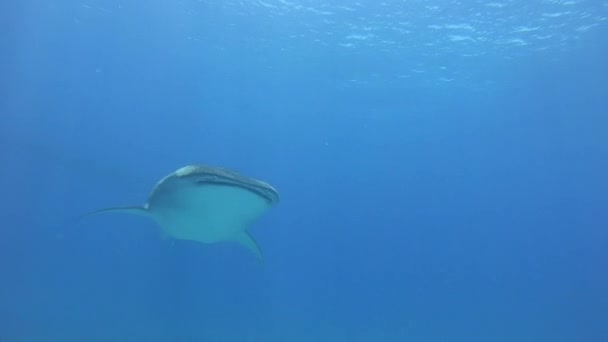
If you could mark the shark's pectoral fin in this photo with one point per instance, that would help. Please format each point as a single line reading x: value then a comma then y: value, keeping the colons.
x: 245, y: 239
x: 134, y: 209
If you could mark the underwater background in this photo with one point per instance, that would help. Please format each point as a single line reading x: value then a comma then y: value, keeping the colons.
x: 441, y: 165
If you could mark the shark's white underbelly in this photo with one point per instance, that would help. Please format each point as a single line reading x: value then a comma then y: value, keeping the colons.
x: 208, y: 213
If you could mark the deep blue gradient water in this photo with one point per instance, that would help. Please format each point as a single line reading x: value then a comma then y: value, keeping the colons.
x: 441, y: 164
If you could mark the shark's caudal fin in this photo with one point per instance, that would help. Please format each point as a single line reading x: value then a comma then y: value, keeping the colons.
x: 246, y: 240
x: 133, y: 209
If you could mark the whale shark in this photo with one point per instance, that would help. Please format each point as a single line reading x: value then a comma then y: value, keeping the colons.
x: 206, y: 204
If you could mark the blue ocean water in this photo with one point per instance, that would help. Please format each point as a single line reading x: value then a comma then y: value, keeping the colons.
x: 441, y: 166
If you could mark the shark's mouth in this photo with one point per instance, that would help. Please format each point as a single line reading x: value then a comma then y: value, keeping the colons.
x: 262, y: 192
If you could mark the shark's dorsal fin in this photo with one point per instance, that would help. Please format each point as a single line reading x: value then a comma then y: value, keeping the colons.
x: 245, y: 239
